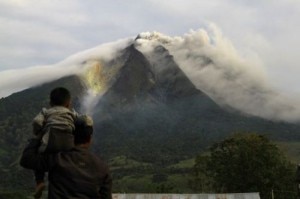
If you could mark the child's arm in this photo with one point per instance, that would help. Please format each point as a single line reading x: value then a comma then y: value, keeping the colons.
x: 31, y: 159
x: 38, y: 122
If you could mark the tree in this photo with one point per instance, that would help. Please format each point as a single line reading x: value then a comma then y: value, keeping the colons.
x: 201, y: 181
x: 250, y: 163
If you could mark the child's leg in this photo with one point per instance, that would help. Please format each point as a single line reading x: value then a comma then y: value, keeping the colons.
x: 39, y: 176
x: 40, y: 185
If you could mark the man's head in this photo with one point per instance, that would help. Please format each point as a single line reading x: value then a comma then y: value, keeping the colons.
x: 60, y: 96
x: 83, y: 130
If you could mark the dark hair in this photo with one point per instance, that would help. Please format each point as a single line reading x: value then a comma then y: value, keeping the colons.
x: 82, y: 133
x: 59, y: 96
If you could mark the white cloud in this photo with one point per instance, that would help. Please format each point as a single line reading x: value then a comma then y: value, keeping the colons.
x: 51, y: 12
x: 39, y: 27
x: 25, y: 43
x: 27, y: 32
x: 18, y: 79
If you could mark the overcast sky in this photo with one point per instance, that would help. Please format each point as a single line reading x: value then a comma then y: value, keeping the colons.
x: 43, y: 32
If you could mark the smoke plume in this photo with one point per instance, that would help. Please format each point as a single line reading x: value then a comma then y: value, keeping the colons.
x: 215, y: 67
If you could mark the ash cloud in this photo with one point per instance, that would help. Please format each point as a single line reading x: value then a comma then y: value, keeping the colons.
x: 215, y: 67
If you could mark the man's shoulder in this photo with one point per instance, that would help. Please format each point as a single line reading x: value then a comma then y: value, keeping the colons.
x: 81, y: 152
x: 77, y: 155
x: 96, y: 159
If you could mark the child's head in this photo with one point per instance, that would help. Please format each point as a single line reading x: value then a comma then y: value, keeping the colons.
x: 60, y: 97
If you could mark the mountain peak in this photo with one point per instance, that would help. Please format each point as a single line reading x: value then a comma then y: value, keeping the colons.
x: 154, y: 36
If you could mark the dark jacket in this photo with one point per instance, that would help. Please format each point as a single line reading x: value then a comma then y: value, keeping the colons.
x: 73, y: 174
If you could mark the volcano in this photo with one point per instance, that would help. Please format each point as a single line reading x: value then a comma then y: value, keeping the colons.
x: 145, y: 108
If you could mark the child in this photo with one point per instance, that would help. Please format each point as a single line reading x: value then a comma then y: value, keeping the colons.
x: 54, y: 127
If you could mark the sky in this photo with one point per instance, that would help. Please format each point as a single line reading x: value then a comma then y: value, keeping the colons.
x: 44, y: 32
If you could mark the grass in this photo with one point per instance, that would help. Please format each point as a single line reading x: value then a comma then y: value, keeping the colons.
x: 3, y: 152
x: 125, y: 163
x: 147, y: 181
x: 180, y: 182
x: 139, y: 184
x: 189, y: 163
x: 15, y: 194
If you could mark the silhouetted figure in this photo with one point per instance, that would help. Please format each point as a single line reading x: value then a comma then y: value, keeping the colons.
x: 77, y: 173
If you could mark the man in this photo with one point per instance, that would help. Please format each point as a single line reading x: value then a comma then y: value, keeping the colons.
x: 72, y: 174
